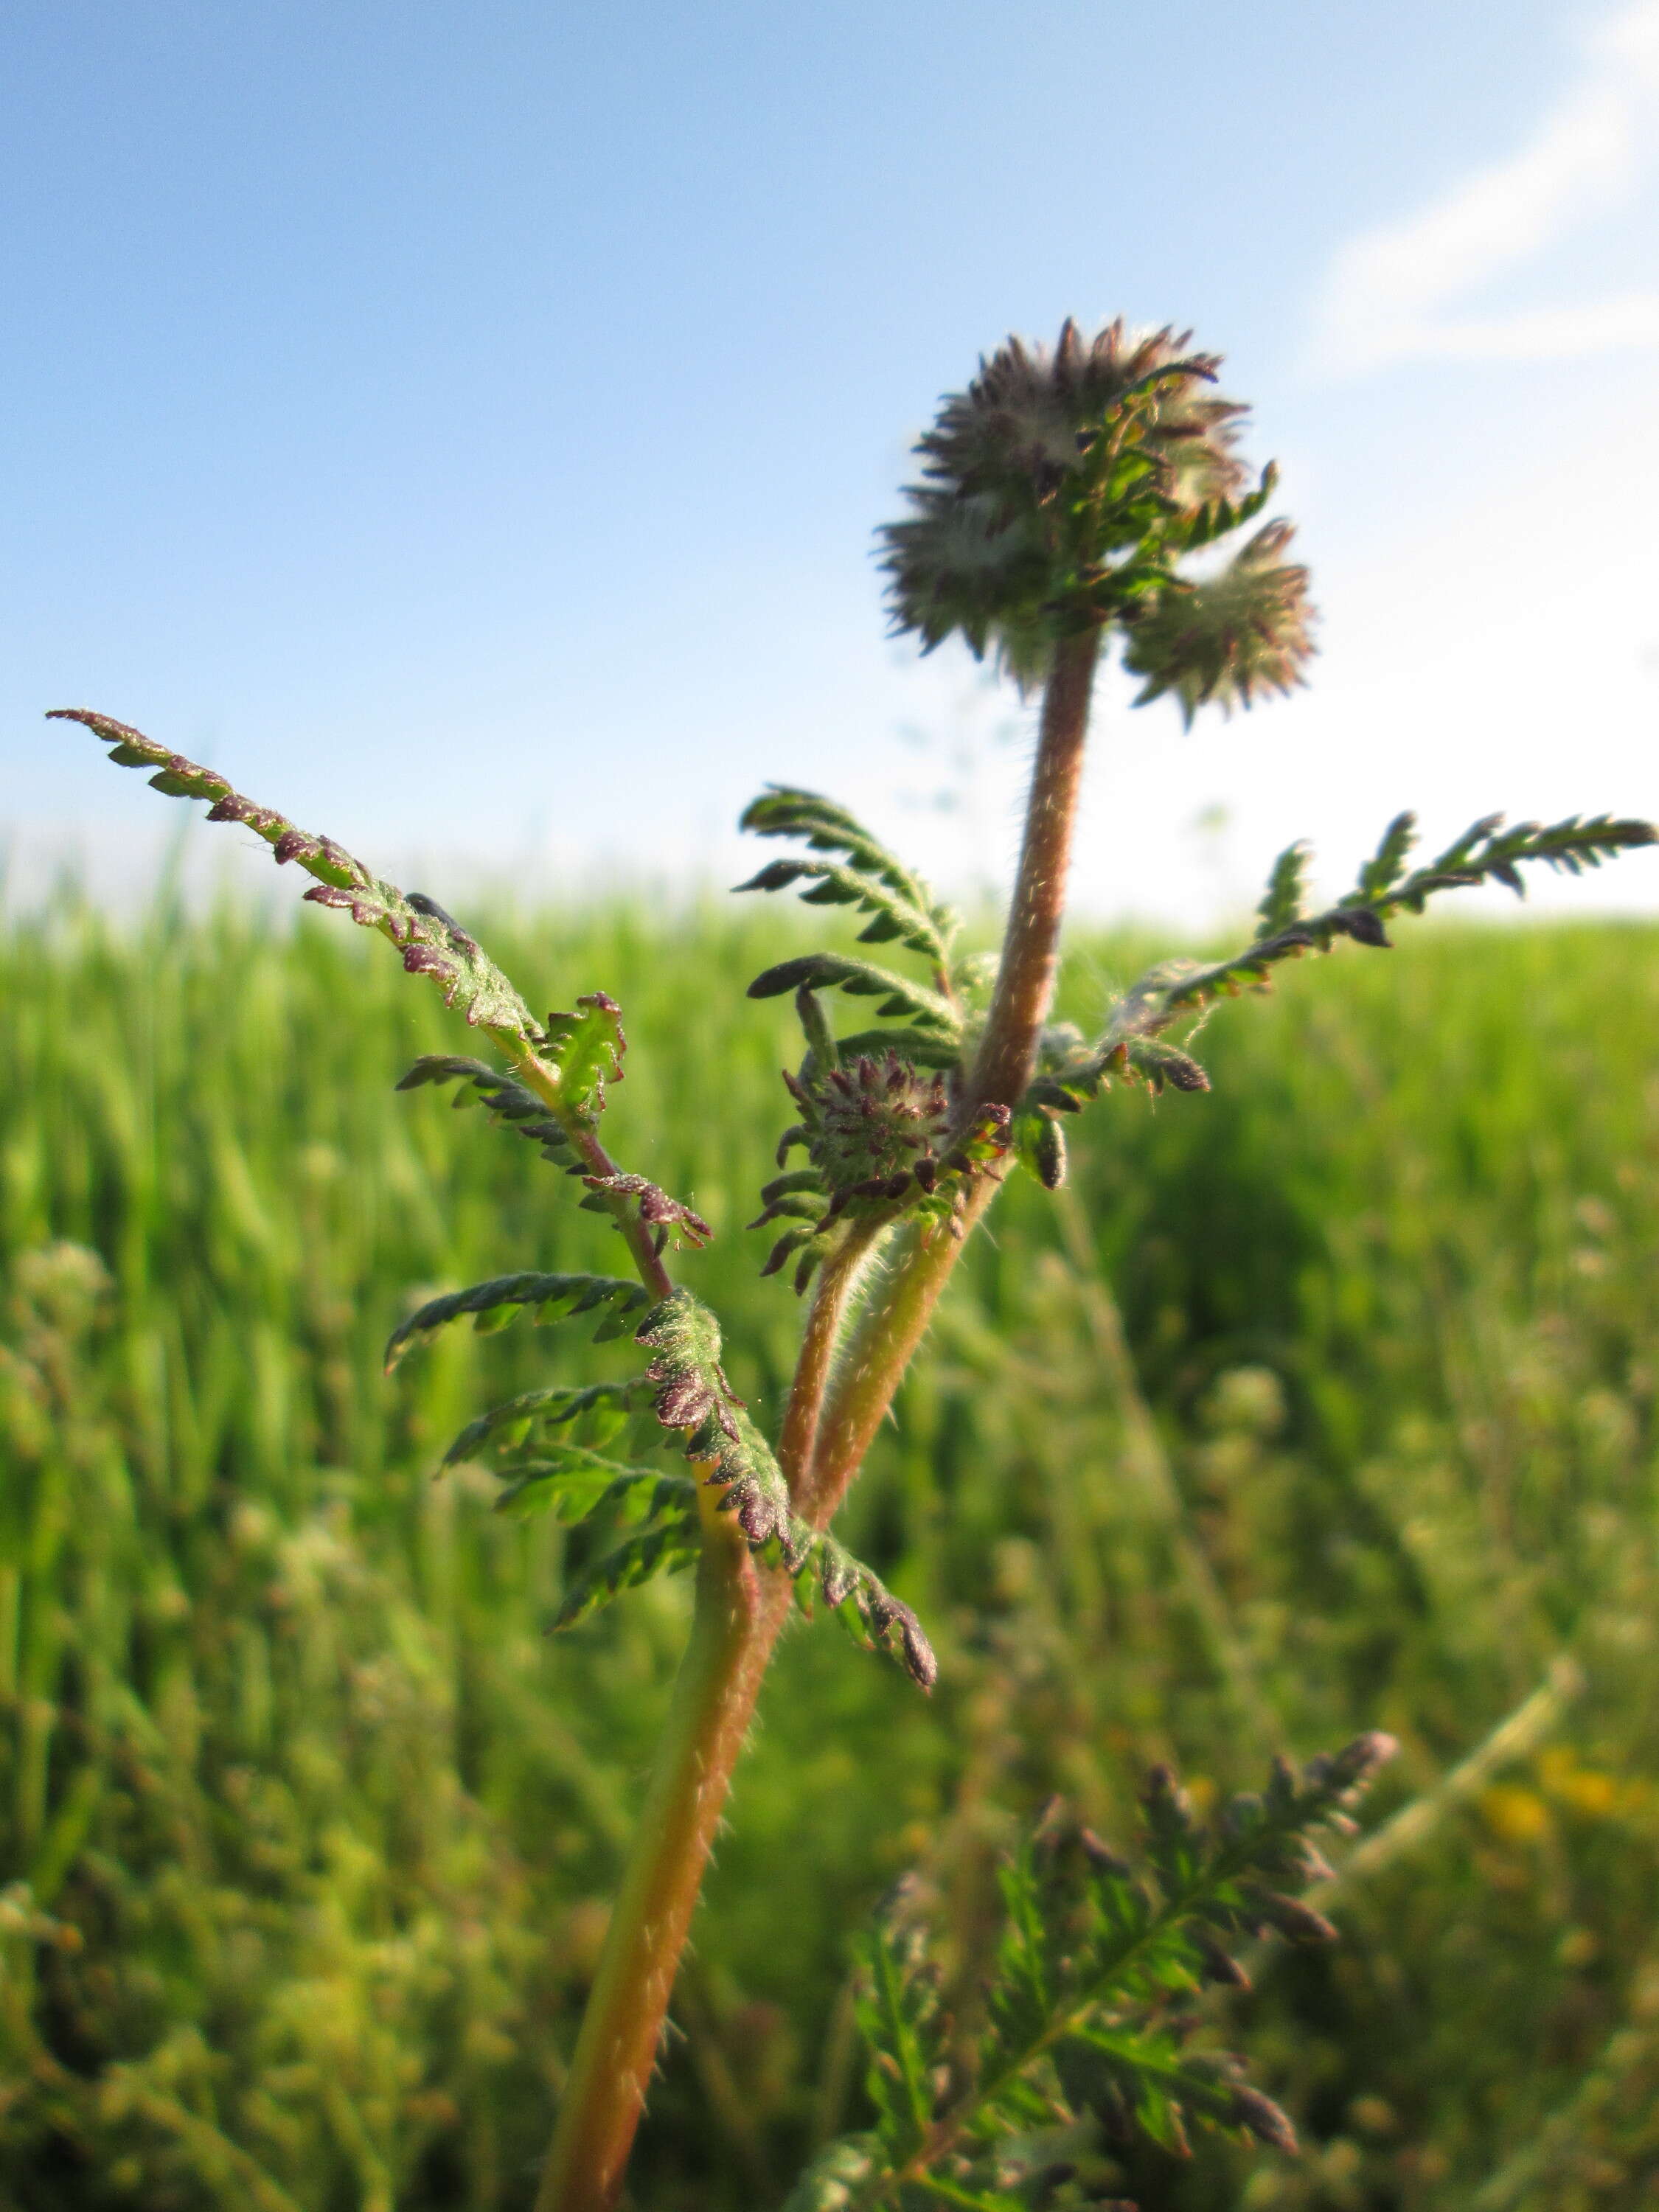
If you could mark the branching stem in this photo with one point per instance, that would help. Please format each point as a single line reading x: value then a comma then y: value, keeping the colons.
x: 833, y: 1412
x: 536, y: 1075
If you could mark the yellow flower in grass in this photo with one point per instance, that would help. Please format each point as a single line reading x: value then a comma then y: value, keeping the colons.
x: 1514, y: 1815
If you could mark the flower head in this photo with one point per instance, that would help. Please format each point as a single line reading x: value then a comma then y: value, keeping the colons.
x: 1237, y: 633
x: 880, y: 1125
x: 1029, y: 420
x: 1059, y: 493
x: 1048, y: 463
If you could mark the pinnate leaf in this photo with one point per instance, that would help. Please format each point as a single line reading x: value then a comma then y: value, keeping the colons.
x: 667, y: 1547
x: 601, y: 1409
x: 693, y: 1396
x: 431, y: 943
x: 901, y: 998
x: 1485, y: 853
x: 1086, y: 2020
x: 873, y: 879
x: 492, y: 1305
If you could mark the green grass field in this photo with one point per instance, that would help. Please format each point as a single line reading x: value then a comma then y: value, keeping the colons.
x: 1322, y: 1402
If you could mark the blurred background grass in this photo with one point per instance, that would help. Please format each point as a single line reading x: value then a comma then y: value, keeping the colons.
x: 1322, y: 1402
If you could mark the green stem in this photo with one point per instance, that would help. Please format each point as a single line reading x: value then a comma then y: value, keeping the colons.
x: 832, y: 1294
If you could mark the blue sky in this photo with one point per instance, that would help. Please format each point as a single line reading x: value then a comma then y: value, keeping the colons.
x: 466, y: 426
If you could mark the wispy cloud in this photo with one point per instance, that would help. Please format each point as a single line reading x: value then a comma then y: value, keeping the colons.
x: 1392, y: 293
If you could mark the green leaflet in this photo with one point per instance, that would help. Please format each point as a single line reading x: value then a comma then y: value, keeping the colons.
x: 1162, y: 1063
x: 604, y: 1407
x: 828, y: 970
x: 505, y: 1100
x: 1085, y: 2026
x: 874, y: 879
x: 1485, y: 853
x: 1040, y: 1142
x: 586, y: 1047
x: 1218, y: 517
x: 924, y: 1047
x: 665, y: 1548
x: 494, y: 1304
x: 1380, y: 873
x: 693, y: 1395
x: 1281, y: 902
x: 574, y: 1483
x: 430, y: 942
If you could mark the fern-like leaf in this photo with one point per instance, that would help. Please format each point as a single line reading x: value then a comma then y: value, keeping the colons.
x: 901, y: 998
x: 1485, y: 853
x: 902, y: 906
x: 1086, y: 2022
x: 693, y: 1396
x: 599, y: 1410
x: 667, y: 1547
x: 494, y: 1304
x: 1281, y: 902
x: 573, y: 1484
x: 505, y: 1100
x: 431, y: 943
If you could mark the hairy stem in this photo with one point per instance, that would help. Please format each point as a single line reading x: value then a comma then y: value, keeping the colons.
x: 828, y: 1425
x: 831, y: 1294
x: 1030, y: 945
x: 897, y: 1320
x: 880, y: 1352
x: 536, y: 1076
x: 733, y: 1630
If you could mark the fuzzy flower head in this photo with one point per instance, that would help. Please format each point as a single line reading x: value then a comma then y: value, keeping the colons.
x: 1232, y: 637
x: 1059, y: 490
x: 880, y: 1124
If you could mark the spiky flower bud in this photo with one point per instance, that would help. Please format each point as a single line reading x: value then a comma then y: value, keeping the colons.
x: 1050, y: 462
x: 1061, y: 492
x: 1230, y: 638
x: 881, y: 1124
